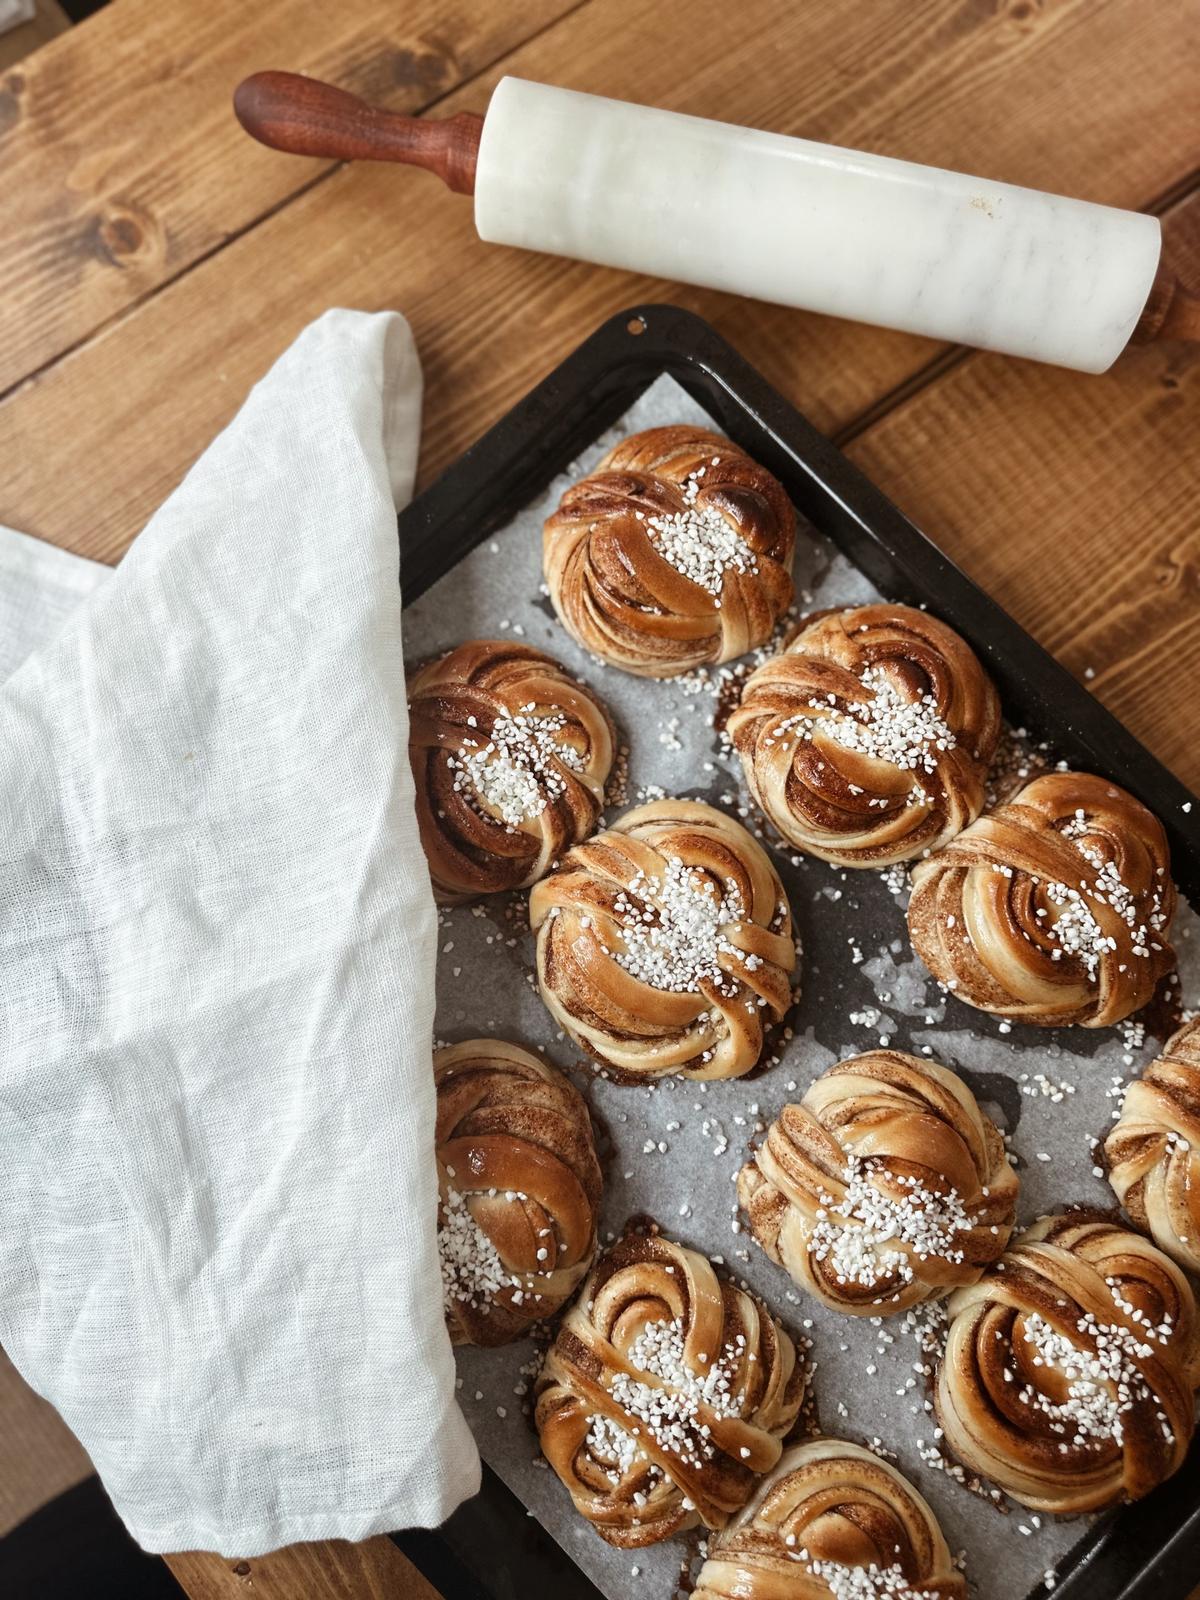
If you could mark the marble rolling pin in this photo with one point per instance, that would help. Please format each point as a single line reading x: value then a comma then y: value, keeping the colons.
x: 838, y: 231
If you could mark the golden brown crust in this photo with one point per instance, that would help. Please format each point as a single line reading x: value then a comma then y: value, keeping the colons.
x: 516, y: 1164
x: 1053, y: 909
x: 886, y: 1186
x: 713, y: 1359
x: 1153, y: 1150
x: 1070, y: 1368
x: 867, y: 740
x: 616, y: 557
x: 510, y: 756
x: 828, y: 1502
x: 675, y: 893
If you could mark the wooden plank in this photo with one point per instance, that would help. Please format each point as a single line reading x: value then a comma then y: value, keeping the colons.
x: 328, y: 1570
x: 970, y: 86
x: 39, y: 1455
x: 1074, y: 504
x: 124, y: 165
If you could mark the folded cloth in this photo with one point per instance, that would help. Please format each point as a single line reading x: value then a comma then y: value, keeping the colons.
x: 40, y: 586
x: 218, y: 1251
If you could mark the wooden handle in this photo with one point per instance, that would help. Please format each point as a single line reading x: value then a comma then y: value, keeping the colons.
x: 306, y: 117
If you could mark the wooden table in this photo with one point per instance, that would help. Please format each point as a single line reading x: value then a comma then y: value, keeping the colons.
x: 154, y: 262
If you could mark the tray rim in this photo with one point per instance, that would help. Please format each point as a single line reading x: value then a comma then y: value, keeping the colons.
x: 1152, y: 1547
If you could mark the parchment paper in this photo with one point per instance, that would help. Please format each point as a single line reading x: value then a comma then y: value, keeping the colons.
x: 860, y: 984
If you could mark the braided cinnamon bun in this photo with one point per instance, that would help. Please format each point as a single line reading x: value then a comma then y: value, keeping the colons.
x: 510, y: 758
x: 664, y: 944
x: 831, y: 1518
x: 1053, y: 909
x: 867, y: 740
x: 886, y: 1186
x: 519, y: 1189
x: 675, y: 552
x: 1153, y: 1150
x: 1070, y: 1368
x: 665, y: 1394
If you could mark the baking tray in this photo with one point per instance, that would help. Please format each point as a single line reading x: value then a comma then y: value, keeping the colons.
x: 491, y: 1549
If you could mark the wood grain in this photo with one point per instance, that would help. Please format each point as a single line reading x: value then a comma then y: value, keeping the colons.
x: 124, y: 165
x: 1074, y: 505
x: 936, y: 82
x: 328, y: 1570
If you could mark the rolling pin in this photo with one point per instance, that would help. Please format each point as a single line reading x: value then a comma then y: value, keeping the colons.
x: 842, y: 232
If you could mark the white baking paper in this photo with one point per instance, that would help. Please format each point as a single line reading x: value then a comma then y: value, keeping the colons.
x: 676, y: 1147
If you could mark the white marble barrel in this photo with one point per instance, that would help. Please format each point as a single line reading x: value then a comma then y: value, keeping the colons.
x: 803, y: 224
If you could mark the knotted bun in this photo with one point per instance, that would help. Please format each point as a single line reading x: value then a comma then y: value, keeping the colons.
x: 827, y: 1519
x: 675, y: 552
x: 519, y: 1187
x: 866, y: 741
x: 1153, y: 1150
x: 510, y: 756
x: 665, y: 1394
x: 886, y: 1186
x: 1053, y: 909
x: 1070, y: 1367
x: 664, y: 944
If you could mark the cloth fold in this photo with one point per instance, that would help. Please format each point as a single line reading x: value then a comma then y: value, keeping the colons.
x: 218, y: 1250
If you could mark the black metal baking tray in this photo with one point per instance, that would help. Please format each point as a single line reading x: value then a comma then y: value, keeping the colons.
x: 491, y: 1549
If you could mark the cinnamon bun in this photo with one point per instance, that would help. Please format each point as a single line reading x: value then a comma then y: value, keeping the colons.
x: 675, y: 552
x: 866, y: 741
x: 1054, y: 908
x: 664, y: 944
x: 886, y: 1186
x: 665, y: 1394
x: 1070, y: 1368
x: 1153, y: 1150
x: 510, y: 756
x: 831, y: 1519
x: 519, y: 1189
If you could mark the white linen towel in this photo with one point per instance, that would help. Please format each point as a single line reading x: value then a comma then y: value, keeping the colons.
x: 218, y: 1202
